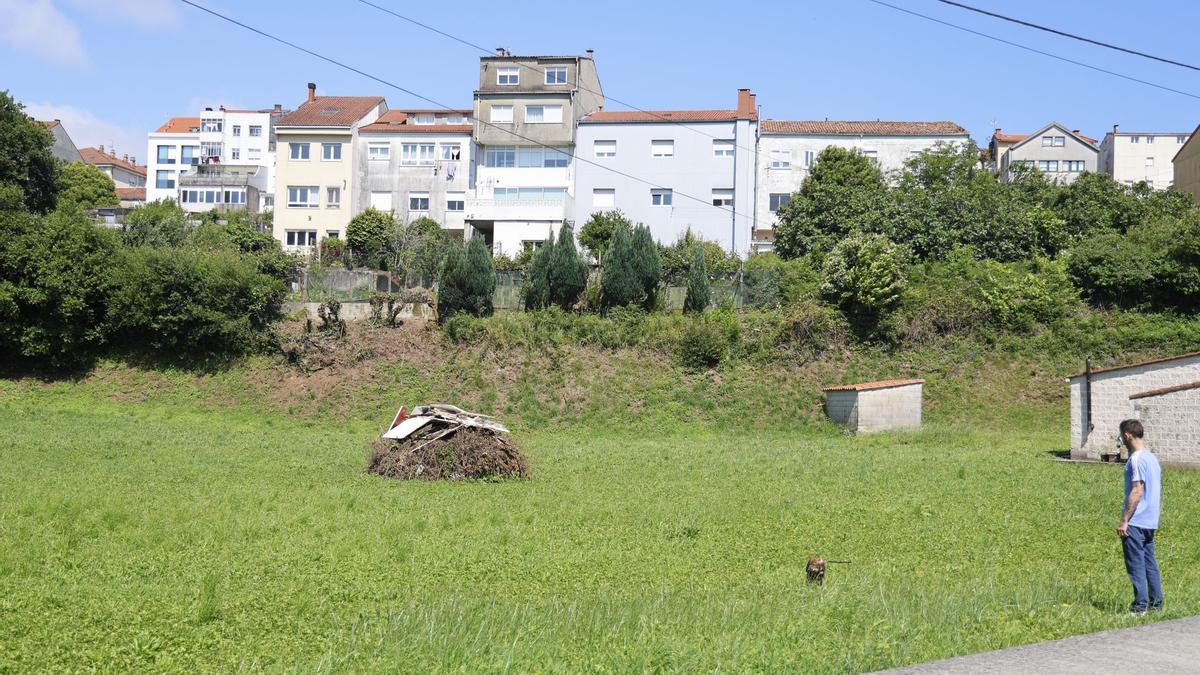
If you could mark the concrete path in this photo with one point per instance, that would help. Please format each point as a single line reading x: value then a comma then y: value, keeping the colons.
x: 1163, y: 647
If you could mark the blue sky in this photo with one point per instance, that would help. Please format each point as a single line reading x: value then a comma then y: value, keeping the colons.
x: 115, y: 69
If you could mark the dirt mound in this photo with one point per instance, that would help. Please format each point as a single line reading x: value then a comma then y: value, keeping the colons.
x: 465, y: 454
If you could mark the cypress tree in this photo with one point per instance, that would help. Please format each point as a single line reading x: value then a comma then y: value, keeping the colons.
x: 451, y: 283
x: 567, y: 273
x: 619, y: 286
x: 698, y: 291
x: 480, y: 275
x: 537, y: 287
x: 647, y: 265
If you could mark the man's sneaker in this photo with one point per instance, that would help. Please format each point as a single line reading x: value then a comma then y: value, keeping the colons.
x: 1137, y: 613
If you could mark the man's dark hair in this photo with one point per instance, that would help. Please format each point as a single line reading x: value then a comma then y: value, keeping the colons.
x: 1133, y: 428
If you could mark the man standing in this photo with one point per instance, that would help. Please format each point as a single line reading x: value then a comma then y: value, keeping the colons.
x: 1139, y: 519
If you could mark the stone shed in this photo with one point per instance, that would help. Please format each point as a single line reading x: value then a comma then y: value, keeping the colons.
x: 1101, y: 401
x: 876, y: 406
x: 1171, y: 416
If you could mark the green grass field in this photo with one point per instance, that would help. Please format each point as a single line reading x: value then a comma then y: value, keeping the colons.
x: 170, y: 534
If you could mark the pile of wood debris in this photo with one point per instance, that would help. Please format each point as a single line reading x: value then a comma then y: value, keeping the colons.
x: 444, y: 442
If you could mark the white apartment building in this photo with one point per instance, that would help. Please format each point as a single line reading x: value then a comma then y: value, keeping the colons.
x: 417, y: 163
x: 787, y: 151
x: 223, y: 159
x: 316, y: 167
x: 1131, y: 157
x: 700, y: 164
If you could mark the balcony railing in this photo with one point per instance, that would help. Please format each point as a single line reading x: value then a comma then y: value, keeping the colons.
x: 517, y: 209
x: 205, y: 178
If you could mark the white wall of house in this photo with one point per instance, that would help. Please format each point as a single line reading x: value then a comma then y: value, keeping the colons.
x: 1056, y: 151
x: 419, y: 184
x: 239, y: 138
x: 168, y: 155
x: 1132, y: 157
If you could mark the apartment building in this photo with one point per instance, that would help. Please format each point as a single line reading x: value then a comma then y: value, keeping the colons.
x: 315, y: 166
x: 63, y: 148
x: 788, y: 149
x: 417, y: 163
x: 1186, y: 164
x: 700, y: 164
x: 223, y: 159
x: 124, y: 171
x: 1060, y: 153
x: 526, y: 112
x: 1131, y: 157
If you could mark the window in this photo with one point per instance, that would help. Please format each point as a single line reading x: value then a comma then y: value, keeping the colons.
x: 660, y: 198
x: 779, y: 200
x: 237, y: 130
x: 208, y: 150
x: 380, y: 152
x: 164, y: 154
x: 456, y: 201
x: 164, y: 180
x: 502, y: 113
x: 301, y: 237
x: 1181, y: 139
x: 1149, y: 161
x: 417, y: 153
x: 302, y: 197
x: 332, y: 234
x: 662, y: 148
x: 254, y: 154
x: 255, y: 130
x: 781, y: 159
x: 418, y: 201
x: 722, y: 197
x: 451, y: 152
x: 556, y: 75
x: 424, y: 119
x: 872, y: 155
x: 500, y: 157
x: 298, y: 150
x: 235, y: 154
x: 381, y: 201
x: 810, y: 158
x: 1073, y: 165
x: 722, y: 148
x: 530, y: 194
x: 530, y: 245
x: 1135, y: 139
x: 543, y: 114
x: 211, y: 124
x: 210, y: 197
x: 331, y: 152
x: 333, y: 197
x: 605, y: 148
x: 605, y: 198
x: 188, y: 154
x: 456, y: 118
x: 1149, y: 139
x: 538, y: 157
x: 1048, y: 165
x: 508, y: 76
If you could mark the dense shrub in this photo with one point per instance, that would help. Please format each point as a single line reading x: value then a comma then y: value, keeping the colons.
x: 416, y: 250
x: 676, y: 258
x: 86, y: 186
x: 705, y: 342
x: 536, y: 290
x: 773, y: 282
x: 646, y: 265
x: 864, y: 275
x: 161, y: 224
x: 1154, y: 265
x: 619, y: 283
x: 597, y: 232
x: 567, y: 273
x: 467, y: 281
x: 699, y: 292
x: 369, y: 235
x: 844, y: 192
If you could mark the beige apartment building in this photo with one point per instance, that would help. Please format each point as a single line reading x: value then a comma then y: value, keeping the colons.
x: 1187, y: 166
x: 1132, y: 157
x: 315, y: 167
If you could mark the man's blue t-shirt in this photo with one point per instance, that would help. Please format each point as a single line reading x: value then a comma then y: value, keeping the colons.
x: 1143, y: 466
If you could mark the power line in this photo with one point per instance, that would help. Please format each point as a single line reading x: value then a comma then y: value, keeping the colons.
x: 1035, y: 51
x: 1073, y: 36
x: 441, y: 105
x: 601, y: 94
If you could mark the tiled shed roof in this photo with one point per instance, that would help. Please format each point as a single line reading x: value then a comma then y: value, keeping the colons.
x: 1166, y: 390
x: 1150, y: 362
x: 879, y: 384
x: 131, y: 193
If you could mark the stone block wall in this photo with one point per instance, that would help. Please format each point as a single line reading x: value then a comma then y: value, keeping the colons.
x: 1172, y: 422
x: 869, y: 410
x: 1111, y: 390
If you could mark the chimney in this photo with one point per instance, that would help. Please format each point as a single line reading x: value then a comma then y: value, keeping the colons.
x: 312, y: 91
x: 100, y: 148
x: 746, y: 105
x: 208, y: 110
x: 1116, y: 128
x: 591, y: 54
x: 1075, y: 131
x: 499, y: 51
x: 278, y: 108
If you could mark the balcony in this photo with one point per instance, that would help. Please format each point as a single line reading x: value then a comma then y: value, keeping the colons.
x: 517, y: 209
x: 215, y: 179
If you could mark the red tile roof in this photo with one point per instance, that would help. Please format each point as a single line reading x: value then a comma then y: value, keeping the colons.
x: 879, y: 384
x: 330, y: 111
x: 867, y: 128
x: 180, y: 125
x: 131, y: 193
x: 397, y: 122
x: 661, y: 116
x: 1009, y: 138
x: 49, y: 124
x: 1151, y: 362
x: 1166, y: 390
x: 95, y: 157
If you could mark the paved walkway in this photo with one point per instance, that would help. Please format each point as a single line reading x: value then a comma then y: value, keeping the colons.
x: 1163, y: 647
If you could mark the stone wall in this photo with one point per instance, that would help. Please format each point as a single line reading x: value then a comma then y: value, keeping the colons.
x: 1172, y: 422
x: 1111, y: 390
x: 891, y: 408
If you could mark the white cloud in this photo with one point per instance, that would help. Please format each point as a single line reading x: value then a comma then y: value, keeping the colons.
x: 87, y: 130
x: 152, y: 13
x: 37, y: 27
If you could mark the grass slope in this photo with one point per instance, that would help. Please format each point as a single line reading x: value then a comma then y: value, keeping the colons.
x: 156, y: 521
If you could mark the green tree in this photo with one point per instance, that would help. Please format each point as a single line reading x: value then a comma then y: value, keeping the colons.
x: 698, y: 290
x: 1094, y: 202
x: 467, y: 281
x: 843, y: 193
x: 369, y: 235
x: 26, y: 160
x: 418, y: 248
x: 646, y: 264
x: 864, y: 274
x: 160, y: 224
x: 619, y: 283
x: 567, y: 273
x: 87, y: 186
x: 537, y: 283
x: 597, y: 232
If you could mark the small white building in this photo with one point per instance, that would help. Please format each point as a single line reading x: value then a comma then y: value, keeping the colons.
x: 1102, y: 399
x: 876, y: 406
x: 787, y: 150
x: 1131, y: 157
x: 1171, y: 417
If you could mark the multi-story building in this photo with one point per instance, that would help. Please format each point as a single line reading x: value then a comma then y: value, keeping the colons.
x: 526, y: 112
x: 787, y: 151
x: 1187, y: 166
x: 63, y: 148
x: 223, y: 159
x: 124, y: 171
x: 1060, y: 153
x: 316, y: 166
x: 1132, y: 157
x: 694, y: 170
x: 416, y: 163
